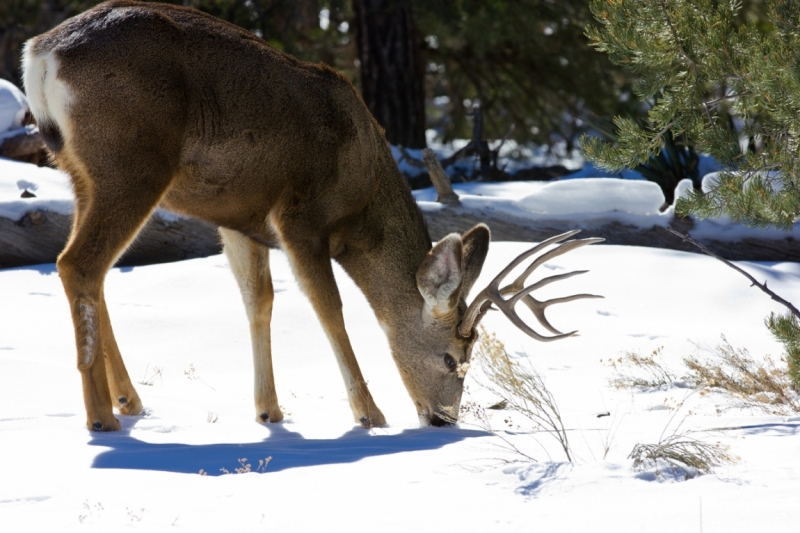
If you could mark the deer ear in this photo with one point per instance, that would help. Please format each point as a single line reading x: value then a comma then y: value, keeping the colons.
x: 439, y: 276
x: 475, y: 244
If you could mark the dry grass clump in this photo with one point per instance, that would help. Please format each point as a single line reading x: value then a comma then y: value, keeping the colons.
x: 761, y: 385
x: 245, y: 467
x: 150, y: 376
x: 520, y: 388
x: 634, y: 370
x: 680, y: 455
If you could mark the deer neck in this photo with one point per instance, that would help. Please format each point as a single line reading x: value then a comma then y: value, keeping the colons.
x: 384, y: 251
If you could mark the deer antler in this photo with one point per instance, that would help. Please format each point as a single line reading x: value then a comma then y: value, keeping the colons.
x: 493, y: 294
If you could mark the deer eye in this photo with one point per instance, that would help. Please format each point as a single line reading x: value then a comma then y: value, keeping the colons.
x: 450, y: 363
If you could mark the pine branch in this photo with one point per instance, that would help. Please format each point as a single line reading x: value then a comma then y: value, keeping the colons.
x: 753, y: 281
x: 724, y: 98
x: 675, y: 35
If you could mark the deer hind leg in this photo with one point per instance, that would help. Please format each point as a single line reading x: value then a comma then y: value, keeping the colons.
x: 250, y: 265
x: 123, y: 394
x: 312, y: 267
x: 108, y: 216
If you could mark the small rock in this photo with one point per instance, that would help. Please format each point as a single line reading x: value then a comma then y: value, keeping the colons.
x: 37, y: 217
x: 27, y: 194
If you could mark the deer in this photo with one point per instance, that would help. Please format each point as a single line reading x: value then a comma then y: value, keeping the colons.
x: 150, y: 105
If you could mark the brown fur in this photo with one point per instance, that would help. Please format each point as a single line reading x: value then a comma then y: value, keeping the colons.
x: 173, y: 107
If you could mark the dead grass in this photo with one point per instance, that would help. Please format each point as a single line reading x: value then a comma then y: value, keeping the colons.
x: 150, y: 376
x: 680, y: 456
x: 245, y: 467
x: 760, y: 385
x: 520, y: 388
x: 634, y: 370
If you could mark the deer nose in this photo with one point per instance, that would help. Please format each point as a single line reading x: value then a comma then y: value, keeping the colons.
x: 438, y: 422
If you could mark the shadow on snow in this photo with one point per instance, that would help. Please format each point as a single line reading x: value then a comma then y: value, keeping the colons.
x: 288, y: 449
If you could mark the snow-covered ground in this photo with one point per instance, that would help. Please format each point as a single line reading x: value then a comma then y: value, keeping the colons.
x: 185, y: 339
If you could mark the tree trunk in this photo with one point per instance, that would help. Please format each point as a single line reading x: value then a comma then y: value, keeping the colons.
x: 392, y: 70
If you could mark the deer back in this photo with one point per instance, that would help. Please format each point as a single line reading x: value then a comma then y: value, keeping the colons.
x: 244, y: 129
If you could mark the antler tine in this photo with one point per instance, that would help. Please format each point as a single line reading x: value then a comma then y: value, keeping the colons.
x: 538, y: 308
x: 509, y: 289
x: 522, y: 257
x: 494, y: 294
x: 555, y: 252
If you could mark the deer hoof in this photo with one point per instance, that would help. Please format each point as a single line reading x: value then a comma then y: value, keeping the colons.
x: 264, y: 417
x: 373, y: 421
x: 111, y: 426
x: 131, y: 406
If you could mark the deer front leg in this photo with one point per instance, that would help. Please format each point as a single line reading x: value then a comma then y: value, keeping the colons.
x: 250, y: 266
x: 315, y: 275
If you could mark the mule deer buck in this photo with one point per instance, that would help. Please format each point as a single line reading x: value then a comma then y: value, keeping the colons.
x: 148, y: 105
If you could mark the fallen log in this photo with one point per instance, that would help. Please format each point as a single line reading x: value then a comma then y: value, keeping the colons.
x: 40, y: 235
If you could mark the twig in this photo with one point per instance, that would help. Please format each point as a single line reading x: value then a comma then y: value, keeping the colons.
x: 404, y: 155
x: 462, y: 153
x: 723, y: 98
x: 662, y: 132
x: 754, y: 282
x: 505, y: 138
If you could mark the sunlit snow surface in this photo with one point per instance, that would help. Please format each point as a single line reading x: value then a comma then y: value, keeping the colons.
x: 182, y: 330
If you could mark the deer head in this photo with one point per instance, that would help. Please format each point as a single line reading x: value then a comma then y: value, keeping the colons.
x: 434, y: 376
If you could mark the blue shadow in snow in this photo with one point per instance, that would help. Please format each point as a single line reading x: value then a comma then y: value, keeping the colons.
x: 781, y: 429
x: 287, y: 449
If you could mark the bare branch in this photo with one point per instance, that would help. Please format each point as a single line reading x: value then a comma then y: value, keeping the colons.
x: 405, y: 156
x: 753, y: 281
x: 505, y: 138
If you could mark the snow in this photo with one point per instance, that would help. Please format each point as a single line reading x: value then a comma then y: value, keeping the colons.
x: 51, y: 187
x: 590, y: 202
x: 13, y: 106
x: 183, y: 331
x: 186, y: 318
x: 567, y: 197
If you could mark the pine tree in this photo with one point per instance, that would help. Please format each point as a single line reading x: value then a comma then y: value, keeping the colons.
x: 526, y: 61
x: 722, y: 81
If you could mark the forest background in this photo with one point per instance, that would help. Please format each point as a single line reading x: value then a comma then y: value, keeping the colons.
x: 423, y: 65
